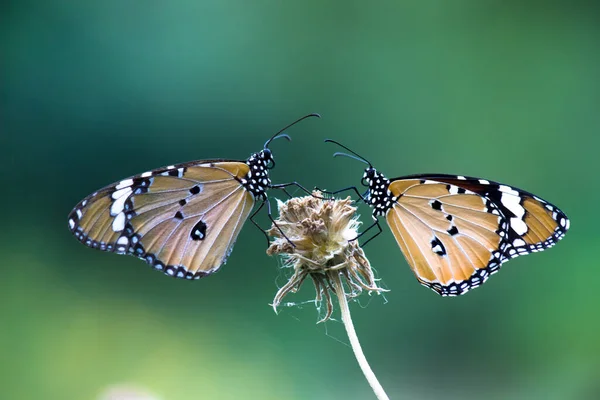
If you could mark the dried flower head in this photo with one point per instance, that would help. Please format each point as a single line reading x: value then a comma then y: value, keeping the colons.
x: 322, y: 232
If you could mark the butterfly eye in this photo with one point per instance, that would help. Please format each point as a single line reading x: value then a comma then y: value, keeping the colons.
x: 268, y: 157
x: 368, y: 176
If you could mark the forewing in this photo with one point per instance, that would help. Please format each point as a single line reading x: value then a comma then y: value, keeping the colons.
x: 457, y: 231
x: 182, y: 219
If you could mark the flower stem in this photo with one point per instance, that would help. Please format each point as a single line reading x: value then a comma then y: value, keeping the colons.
x: 358, y: 353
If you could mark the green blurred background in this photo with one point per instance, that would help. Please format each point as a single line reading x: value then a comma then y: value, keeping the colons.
x: 95, y: 91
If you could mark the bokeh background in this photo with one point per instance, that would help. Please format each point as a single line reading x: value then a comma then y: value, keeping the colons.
x: 95, y: 91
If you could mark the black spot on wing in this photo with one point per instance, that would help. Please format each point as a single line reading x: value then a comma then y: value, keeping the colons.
x: 437, y: 246
x: 453, y: 231
x: 436, y: 205
x: 198, y: 231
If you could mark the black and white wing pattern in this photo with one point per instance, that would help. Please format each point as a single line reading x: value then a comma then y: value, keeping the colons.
x: 182, y: 219
x: 456, y: 231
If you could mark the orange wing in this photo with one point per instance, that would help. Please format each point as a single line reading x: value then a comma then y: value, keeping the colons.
x: 182, y: 219
x: 457, y: 231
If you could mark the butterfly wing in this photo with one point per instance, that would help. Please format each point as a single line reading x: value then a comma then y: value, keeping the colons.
x: 182, y: 219
x: 456, y: 231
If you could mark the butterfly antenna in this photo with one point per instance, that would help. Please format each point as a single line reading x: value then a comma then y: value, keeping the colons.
x: 280, y: 134
x: 354, y: 155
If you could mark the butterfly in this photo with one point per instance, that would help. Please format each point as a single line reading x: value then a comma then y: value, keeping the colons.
x: 456, y: 231
x: 182, y: 219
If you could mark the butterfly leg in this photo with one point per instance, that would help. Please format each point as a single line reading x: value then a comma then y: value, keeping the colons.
x: 374, y: 224
x: 272, y: 220
x: 286, y: 192
x: 275, y: 223
x: 258, y: 226
x: 360, y: 196
x: 283, y: 187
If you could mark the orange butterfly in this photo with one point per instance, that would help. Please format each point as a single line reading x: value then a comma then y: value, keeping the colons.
x: 455, y: 231
x: 182, y: 219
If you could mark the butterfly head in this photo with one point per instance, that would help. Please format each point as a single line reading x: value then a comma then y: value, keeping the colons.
x: 379, y: 195
x: 267, y: 157
x: 257, y: 180
x: 369, y: 176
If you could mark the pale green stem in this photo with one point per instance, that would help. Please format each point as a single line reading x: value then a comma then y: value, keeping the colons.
x: 358, y: 353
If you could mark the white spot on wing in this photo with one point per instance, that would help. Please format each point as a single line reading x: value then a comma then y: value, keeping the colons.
x: 72, y: 223
x: 519, y: 242
x: 119, y: 222
x: 462, y: 178
x: 123, y: 240
x: 125, y: 183
x: 121, y: 192
x: 453, y: 189
x: 508, y: 189
x: 118, y: 205
x: 146, y: 174
x: 79, y: 214
x: 518, y: 226
x: 512, y: 203
x: 484, y: 181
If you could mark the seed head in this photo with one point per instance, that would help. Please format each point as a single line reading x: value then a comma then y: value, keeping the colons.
x: 323, y: 233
